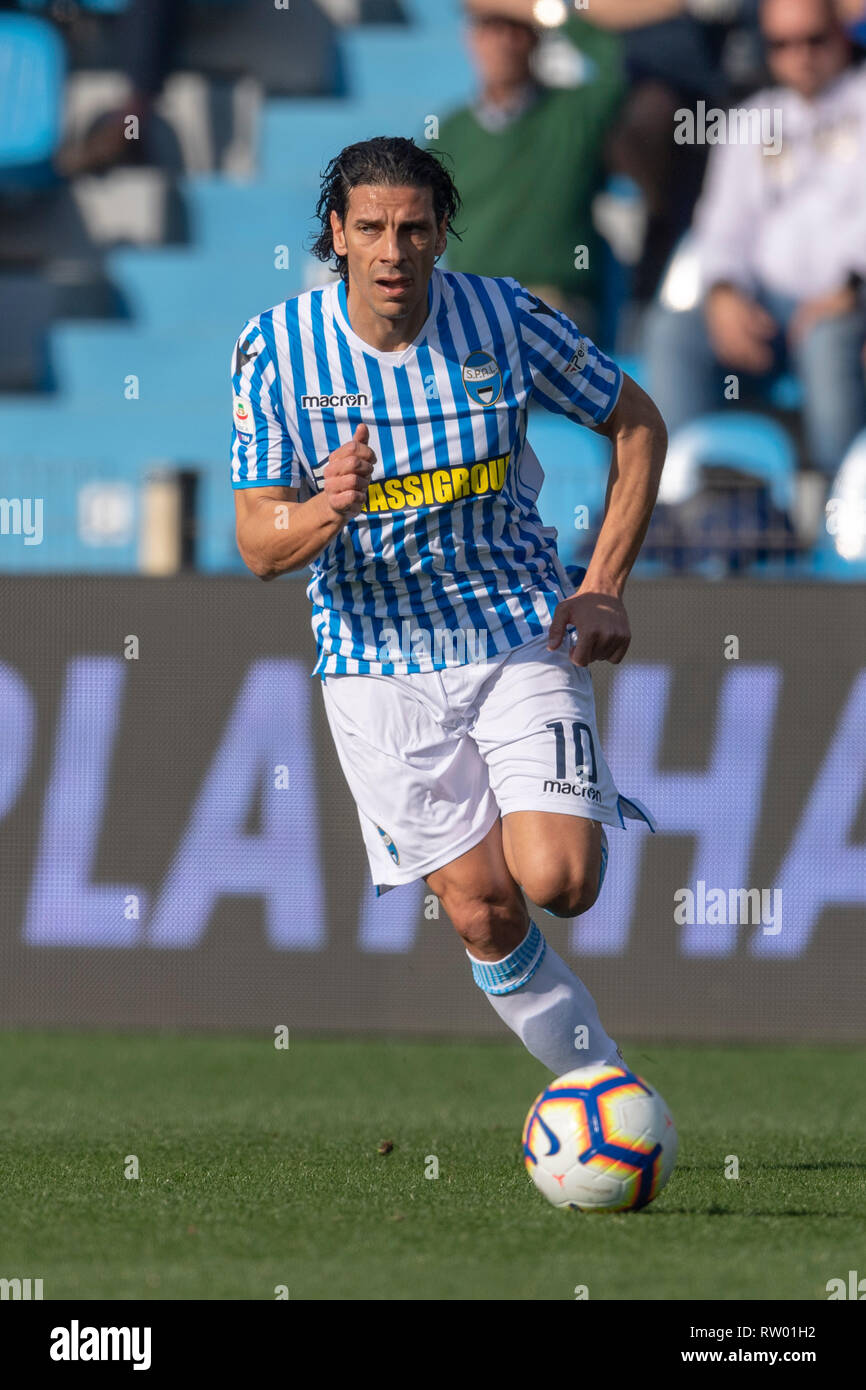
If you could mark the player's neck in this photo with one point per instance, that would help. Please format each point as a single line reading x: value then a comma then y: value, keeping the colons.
x: 381, y: 333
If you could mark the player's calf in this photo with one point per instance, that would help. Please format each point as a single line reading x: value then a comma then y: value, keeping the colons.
x: 491, y: 924
x: 531, y: 989
x: 482, y: 899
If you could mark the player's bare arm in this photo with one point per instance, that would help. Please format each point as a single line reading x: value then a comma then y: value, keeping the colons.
x: 269, y: 546
x: 639, y: 438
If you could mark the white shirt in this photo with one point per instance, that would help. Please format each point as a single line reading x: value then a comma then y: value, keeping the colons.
x: 794, y: 222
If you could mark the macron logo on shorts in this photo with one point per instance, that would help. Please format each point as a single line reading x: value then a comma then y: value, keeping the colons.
x: 573, y: 789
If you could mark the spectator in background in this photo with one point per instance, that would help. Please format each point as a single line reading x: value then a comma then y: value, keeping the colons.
x: 676, y: 52
x: 853, y: 15
x: 529, y: 160
x: 781, y: 243
x: 147, y: 33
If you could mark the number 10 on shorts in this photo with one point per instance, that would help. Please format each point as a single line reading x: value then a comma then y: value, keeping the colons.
x: 584, y: 750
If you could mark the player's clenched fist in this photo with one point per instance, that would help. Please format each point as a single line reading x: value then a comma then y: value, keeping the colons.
x: 603, y: 632
x: 347, y: 474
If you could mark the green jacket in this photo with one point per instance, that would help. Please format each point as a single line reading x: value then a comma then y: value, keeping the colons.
x: 527, y: 191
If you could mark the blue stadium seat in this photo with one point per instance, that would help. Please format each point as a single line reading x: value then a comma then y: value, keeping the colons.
x: 617, y: 276
x: 89, y: 513
x: 377, y: 58
x: 98, y: 6
x: 748, y: 443
x: 61, y: 451
x: 634, y: 366
x: 185, y: 305
x: 786, y: 392
x: 840, y: 552
x: 446, y: 18
x: 207, y: 294
x: 32, y: 73
x: 95, y: 6
x: 575, y: 463
x: 428, y: 74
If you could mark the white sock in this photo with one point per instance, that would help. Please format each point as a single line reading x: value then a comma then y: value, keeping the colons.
x: 546, y: 1005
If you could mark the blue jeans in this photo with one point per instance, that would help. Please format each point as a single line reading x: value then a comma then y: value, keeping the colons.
x: 686, y: 379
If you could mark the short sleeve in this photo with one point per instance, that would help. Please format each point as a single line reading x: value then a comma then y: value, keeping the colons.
x: 567, y: 373
x: 261, y: 449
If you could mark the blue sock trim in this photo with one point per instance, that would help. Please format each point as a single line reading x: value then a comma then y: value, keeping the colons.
x: 505, y: 976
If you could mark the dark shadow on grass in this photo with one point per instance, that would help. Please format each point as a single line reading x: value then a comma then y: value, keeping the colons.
x: 827, y: 1166
x: 667, y: 1210
x: 759, y: 1166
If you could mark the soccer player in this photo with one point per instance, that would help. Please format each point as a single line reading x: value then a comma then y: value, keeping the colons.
x: 380, y: 437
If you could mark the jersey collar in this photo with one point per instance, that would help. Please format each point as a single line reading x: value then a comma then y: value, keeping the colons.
x: 341, y: 313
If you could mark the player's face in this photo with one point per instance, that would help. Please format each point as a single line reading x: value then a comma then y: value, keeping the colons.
x: 806, y: 45
x: 391, y: 241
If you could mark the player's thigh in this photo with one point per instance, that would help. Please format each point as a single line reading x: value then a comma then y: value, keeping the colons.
x: 536, y: 730
x: 481, y: 897
x: 556, y: 858
x: 422, y: 794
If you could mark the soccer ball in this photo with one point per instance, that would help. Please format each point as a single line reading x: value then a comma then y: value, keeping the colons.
x: 599, y: 1139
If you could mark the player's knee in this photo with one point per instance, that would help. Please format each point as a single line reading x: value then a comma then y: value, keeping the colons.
x: 566, y: 891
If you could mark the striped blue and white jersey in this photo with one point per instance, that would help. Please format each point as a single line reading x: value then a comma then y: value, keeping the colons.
x: 449, y: 561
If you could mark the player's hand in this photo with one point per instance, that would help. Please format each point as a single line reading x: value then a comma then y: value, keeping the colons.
x: 741, y: 331
x: 603, y: 632
x: 824, y: 306
x: 346, y: 475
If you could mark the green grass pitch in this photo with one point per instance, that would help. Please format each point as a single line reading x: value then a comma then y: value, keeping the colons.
x: 260, y: 1167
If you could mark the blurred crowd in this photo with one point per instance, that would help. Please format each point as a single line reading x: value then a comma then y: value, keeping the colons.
x: 684, y: 178
x: 737, y: 129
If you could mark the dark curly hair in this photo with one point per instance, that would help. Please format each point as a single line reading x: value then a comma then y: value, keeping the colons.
x: 386, y: 159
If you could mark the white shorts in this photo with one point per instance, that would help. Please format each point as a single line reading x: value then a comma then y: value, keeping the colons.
x: 434, y: 759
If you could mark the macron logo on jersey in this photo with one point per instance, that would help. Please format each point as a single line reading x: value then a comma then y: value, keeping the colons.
x: 333, y: 402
